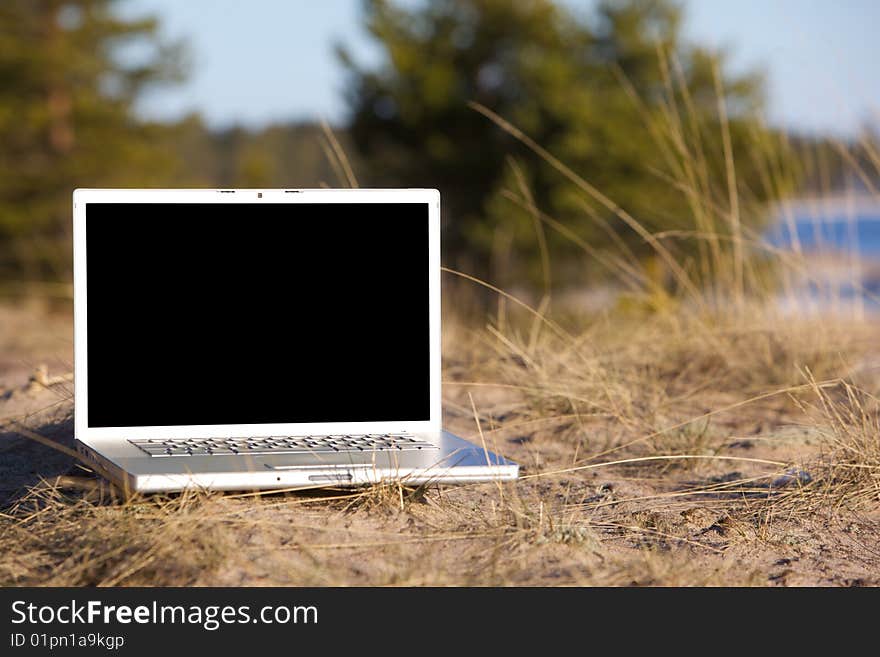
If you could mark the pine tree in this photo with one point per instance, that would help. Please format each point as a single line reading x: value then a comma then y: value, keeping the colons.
x: 66, y: 120
x: 565, y: 80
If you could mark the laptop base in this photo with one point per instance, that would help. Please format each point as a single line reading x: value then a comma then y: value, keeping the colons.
x: 453, y: 461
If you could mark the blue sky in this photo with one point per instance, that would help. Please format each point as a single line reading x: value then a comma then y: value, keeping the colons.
x: 258, y: 61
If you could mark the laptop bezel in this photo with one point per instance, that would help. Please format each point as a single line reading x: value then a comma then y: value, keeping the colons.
x: 82, y: 197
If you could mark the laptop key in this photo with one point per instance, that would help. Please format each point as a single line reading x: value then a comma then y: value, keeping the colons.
x: 272, y: 445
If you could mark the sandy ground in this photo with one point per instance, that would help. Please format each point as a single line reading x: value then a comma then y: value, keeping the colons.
x: 706, y: 522
x: 33, y: 340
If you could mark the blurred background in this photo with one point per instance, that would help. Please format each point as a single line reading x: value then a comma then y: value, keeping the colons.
x: 570, y: 138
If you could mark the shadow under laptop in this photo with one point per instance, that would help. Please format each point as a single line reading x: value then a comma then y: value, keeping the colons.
x: 31, y: 470
x: 26, y: 463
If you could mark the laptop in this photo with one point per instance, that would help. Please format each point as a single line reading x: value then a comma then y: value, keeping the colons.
x: 241, y: 339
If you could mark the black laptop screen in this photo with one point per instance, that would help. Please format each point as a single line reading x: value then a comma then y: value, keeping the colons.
x: 257, y: 313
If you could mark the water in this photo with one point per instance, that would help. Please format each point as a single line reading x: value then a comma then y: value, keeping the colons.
x: 840, y: 239
x: 845, y: 235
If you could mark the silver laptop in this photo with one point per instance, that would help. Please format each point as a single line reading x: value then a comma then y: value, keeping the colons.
x: 256, y: 339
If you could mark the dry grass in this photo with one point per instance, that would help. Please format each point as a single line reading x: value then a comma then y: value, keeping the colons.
x: 648, y: 458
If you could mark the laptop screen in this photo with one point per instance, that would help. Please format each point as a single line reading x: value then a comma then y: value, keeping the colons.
x: 240, y: 313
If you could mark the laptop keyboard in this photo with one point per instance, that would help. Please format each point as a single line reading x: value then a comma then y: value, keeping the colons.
x: 280, y: 445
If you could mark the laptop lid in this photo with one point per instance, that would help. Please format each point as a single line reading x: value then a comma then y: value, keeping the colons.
x: 208, y: 313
